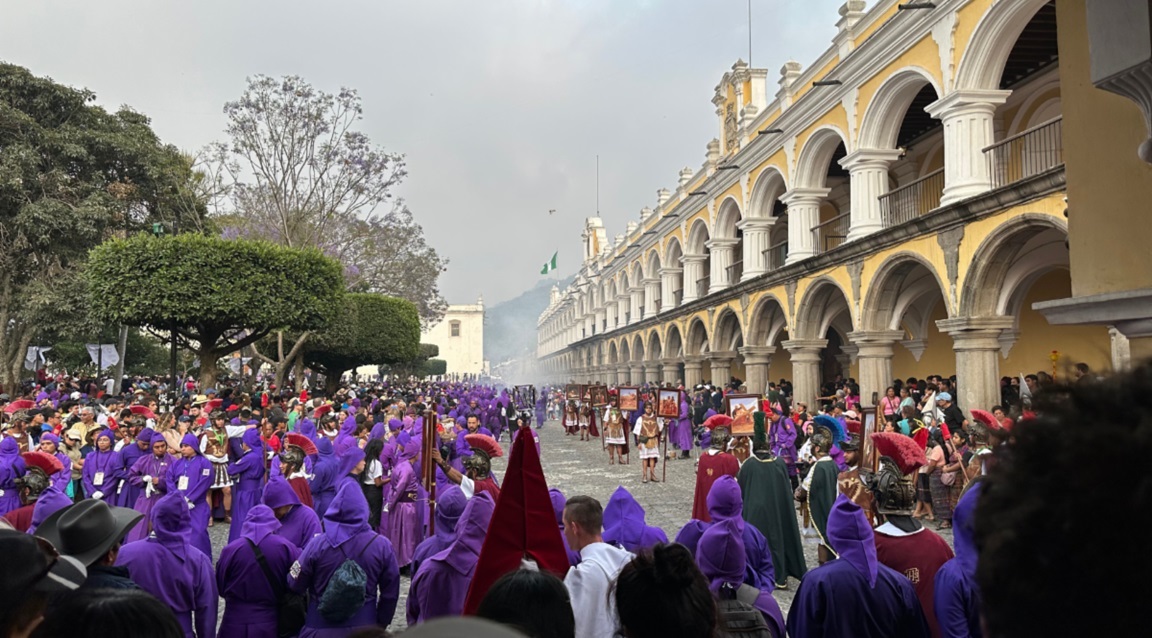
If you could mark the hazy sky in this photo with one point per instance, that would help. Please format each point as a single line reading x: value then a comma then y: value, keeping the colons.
x: 501, y: 106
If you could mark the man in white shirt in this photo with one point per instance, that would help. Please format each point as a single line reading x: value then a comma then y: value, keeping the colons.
x: 600, y: 563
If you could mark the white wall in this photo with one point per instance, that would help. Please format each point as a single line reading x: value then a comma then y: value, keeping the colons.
x: 463, y: 353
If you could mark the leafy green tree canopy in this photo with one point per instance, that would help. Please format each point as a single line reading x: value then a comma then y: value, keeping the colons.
x: 217, y: 295
x: 371, y: 329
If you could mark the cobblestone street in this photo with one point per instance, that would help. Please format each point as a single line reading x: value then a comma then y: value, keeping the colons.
x: 582, y: 468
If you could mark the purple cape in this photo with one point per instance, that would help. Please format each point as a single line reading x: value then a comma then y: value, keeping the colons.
x: 450, y: 505
x: 157, y: 468
x: 196, y: 474
x: 108, y: 466
x: 441, y: 585
x: 725, y: 502
x: 246, y: 492
x: 51, y: 501
x: 405, y: 527
x: 300, y: 524
x: 624, y: 524
x: 324, y: 477
x: 250, y: 601
x: 558, y: 503
x: 722, y: 559
x: 957, y: 594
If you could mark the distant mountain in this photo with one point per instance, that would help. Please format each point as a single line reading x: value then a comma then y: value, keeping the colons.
x: 510, y: 326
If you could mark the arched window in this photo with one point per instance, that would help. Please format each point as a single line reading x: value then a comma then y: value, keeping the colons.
x: 455, y: 327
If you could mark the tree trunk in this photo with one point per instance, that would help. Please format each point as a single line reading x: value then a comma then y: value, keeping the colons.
x: 122, y: 349
x: 332, y: 383
x: 208, y: 368
x: 298, y: 371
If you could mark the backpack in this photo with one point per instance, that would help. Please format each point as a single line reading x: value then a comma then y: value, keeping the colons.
x: 344, y: 594
x: 738, y: 616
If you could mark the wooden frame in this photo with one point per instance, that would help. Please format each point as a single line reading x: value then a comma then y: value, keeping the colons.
x: 628, y: 398
x: 668, y: 404
x: 598, y: 395
x: 572, y: 392
x: 741, y: 407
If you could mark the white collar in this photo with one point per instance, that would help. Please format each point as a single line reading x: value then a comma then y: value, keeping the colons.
x: 888, y: 529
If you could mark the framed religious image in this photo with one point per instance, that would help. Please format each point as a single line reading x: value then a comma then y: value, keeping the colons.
x: 524, y: 397
x: 586, y: 393
x: 572, y: 392
x: 629, y: 399
x: 740, y: 408
x: 668, y: 406
x: 598, y: 395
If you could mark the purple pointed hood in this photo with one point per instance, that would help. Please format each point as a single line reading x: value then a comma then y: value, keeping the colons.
x: 51, y: 500
x: 324, y: 448
x: 347, y: 515
x: 159, y: 438
x: 689, y: 535
x: 470, y: 531
x: 852, y: 538
x: 51, y: 438
x: 349, y: 459
x: 624, y: 523
x: 307, y: 427
x: 558, y: 503
x: 450, y: 506
x: 411, y: 449
x: 145, y: 435
x: 278, y: 493
x: 252, y: 439
x: 191, y: 441
x: 9, y: 447
x: 348, y: 427
x: 964, y: 531
x: 107, y: 434
x: 171, y: 523
x: 725, y: 501
x: 377, y: 431
x: 259, y: 523
x: 395, y: 424
x: 721, y: 555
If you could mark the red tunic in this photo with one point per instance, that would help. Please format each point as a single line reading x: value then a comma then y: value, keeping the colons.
x: 712, y: 467
x: 486, y: 485
x: 21, y: 518
x: 918, y: 556
x: 303, y: 489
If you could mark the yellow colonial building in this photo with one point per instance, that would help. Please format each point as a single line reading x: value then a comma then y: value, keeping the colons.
x: 895, y: 208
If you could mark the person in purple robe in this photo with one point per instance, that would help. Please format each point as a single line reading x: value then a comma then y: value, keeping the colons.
x: 127, y: 492
x: 957, y: 593
x: 689, y: 535
x: 449, y: 506
x: 51, y: 500
x: 298, y: 524
x: 726, y: 502
x: 324, y: 477
x: 274, y: 467
x: 347, y: 535
x: 723, y: 561
x: 148, y: 474
x: 782, y: 439
x: 168, y: 567
x: 307, y: 427
x: 624, y: 524
x: 191, y: 476
x: 682, y: 430
x: 558, y: 502
x: 541, y: 411
x: 441, y: 586
x: 11, y: 468
x: 102, y: 470
x: 251, y: 596
x: 405, y: 528
x: 50, y: 444
x: 855, y: 595
x: 248, y: 472
x: 349, y: 465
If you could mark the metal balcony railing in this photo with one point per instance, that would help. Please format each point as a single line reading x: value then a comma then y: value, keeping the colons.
x: 735, y: 272
x: 677, y: 298
x: 1026, y: 154
x: 912, y: 200
x: 830, y: 234
x: 775, y: 255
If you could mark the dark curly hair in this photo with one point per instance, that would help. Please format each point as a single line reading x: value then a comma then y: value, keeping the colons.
x: 662, y: 593
x: 1069, y: 488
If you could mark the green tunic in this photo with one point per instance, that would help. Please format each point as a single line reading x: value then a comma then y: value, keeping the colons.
x: 822, y: 494
x: 769, y: 507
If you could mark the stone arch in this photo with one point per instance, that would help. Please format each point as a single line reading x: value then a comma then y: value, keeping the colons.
x: 655, y: 352
x: 613, y: 353
x: 697, y: 342
x: 885, y: 113
x: 698, y: 236
x: 638, y: 348
x: 822, y: 304
x: 675, y: 343
x: 625, y: 351
x: 992, y: 42
x: 769, y: 321
x: 653, y: 263
x: 673, y: 252
x: 904, y: 283
x: 726, y: 219
x: 1012, y: 256
x: 727, y: 334
x: 817, y: 154
x: 770, y: 185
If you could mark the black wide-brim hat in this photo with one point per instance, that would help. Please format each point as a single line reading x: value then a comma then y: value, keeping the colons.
x: 88, y: 529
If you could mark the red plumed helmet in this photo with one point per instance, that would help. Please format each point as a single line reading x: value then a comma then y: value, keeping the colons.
x: 302, y: 442
x: 485, y: 444
x: 43, y: 460
x: 143, y: 410
x: 718, y: 421
x: 987, y: 419
x: 19, y: 404
x: 901, y: 449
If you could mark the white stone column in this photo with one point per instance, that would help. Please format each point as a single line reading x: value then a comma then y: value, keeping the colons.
x: 693, y: 271
x: 757, y: 361
x: 874, y: 354
x: 610, y: 313
x: 623, y: 306
x: 652, y: 297
x: 869, y: 174
x: 967, y: 116
x: 637, y: 370
x: 692, y: 367
x: 671, y: 370
x: 721, y: 366
x: 668, y: 277
x: 757, y: 231
x: 976, y: 341
x: 721, y: 250
x: 803, y: 215
x: 637, y: 303
x: 805, y: 354
x: 602, y: 321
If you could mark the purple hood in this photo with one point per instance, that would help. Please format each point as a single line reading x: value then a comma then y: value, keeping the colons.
x: 852, y: 538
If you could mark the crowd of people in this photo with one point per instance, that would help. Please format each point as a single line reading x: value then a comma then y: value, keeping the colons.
x: 327, y: 498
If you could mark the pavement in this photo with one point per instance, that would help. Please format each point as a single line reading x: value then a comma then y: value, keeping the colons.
x: 577, y: 467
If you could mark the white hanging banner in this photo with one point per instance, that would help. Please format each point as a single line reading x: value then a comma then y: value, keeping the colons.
x: 109, y: 358
x: 34, y: 359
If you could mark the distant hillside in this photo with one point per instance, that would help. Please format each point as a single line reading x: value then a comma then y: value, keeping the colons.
x: 510, y: 327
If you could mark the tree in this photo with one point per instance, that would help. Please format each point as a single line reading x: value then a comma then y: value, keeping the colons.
x: 371, y: 329
x: 303, y: 177
x: 217, y: 295
x: 71, y: 175
x: 144, y: 354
